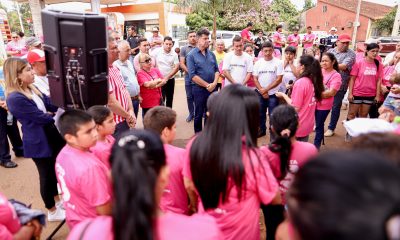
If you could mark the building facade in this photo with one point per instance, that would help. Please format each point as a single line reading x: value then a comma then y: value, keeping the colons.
x: 342, y: 13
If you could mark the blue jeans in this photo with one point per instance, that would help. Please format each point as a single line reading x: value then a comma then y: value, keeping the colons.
x: 135, y: 104
x: 200, y: 95
x: 270, y: 103
x: 320, y: 117
x: 189, y: 96
x: 337, y: 104
x: 13, y: 134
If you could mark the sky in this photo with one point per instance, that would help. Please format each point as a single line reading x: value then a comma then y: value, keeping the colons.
x: 79, y: 6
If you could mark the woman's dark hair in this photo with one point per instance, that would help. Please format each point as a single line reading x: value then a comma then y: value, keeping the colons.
x: 312, y: 70
x: 290, y: 49
x: 277, y: 27
x: 137, y: 158
x: 216, y: 153
x: 333, y: 59
x: 283, y: 118
x: 345, y: 195
x: 99, y: 113
x: 371, y: 46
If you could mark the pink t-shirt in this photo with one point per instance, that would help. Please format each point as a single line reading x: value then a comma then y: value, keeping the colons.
x: 240, y: 219
x: 294, y: 40
x: 17, y: 46
x: 332, y: 80
x: 245, y: 34
x: 174, y: 198
x: 277, y: 37
x: 309, y: 37
x: 387, y: 73
x: 301, y: 153
x: 303, y: 99
x: 151, y: 97
x: 84, y: 183
x: 102, y: 150
x: 9, y: 222
x: 367, y: 77
x: 170, y: 226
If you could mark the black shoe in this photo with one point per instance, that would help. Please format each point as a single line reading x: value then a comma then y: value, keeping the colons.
x: 261, y: 134
x: 9, y: 164
x: 189, y: 118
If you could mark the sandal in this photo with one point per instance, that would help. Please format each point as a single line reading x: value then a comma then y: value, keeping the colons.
x: 9, y: 164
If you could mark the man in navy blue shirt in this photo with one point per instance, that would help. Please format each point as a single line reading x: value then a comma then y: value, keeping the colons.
x: 203, y: 71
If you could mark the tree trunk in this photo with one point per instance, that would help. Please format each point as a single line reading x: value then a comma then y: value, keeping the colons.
x: 214, y: 33
x: 36, y: 9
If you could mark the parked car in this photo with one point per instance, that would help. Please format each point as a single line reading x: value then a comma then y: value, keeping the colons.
x: 388, y: 44
x: 227, y: 37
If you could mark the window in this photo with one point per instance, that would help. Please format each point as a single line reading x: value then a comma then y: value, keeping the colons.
x: 326, y: 24
x: 317, y: 27
x: 324, y: 8
x: 227, y: 36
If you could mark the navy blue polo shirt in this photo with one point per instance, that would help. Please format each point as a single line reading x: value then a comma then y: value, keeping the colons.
x: 205, y: 66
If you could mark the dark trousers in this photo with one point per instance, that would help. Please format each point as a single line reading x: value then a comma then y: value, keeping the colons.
x: 373, y: 110
x: 273, y: 216
x: 266, y: 103
x: 168, y: 92
x: 135, y: 104
x: 120, y: 128
x: 320, y: 117
x: 200, y: 95
x: 189, y: 97
x: 13, y: 134
x: 144, y: 111
x: 337, y: 105
x: 48, y: 180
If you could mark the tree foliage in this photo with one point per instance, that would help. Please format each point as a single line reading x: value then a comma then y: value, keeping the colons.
x: 386, y: 23
x: 13, y: 19
x: 308, y: 4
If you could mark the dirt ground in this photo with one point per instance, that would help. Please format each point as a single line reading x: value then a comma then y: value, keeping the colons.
x: 22, y: 183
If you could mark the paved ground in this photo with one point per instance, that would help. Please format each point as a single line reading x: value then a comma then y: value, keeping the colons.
x: 22, y: 183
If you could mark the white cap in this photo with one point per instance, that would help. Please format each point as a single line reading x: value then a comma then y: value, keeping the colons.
x: 333, y: 29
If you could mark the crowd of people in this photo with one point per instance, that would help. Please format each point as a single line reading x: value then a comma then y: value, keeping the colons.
x: 118, y: 182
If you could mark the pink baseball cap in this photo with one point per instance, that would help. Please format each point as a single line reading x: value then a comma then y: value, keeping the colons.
x: 344, y: 38
x: 35, y: 55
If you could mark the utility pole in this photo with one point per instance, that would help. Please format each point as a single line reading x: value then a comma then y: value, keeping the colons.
x: 356, y: 24
x: 396, y: 23
x: 95, y: 5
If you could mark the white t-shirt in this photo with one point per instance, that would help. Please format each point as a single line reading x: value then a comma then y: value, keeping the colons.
x: 42, y: 83
x: 287, y: 76
x: 166, y: 61
x: 267, y: 72
x: 238, y: 66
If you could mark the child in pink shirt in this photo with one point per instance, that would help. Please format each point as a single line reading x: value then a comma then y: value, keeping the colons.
x: 227, y: 171
x: 162, y: 120
x: 308, y: 40
x: 285, y: 156
x: 306, y: 92
x: 365, y: 83
x: 332, y: 83
x: 82, y: 177
x: 105, y: 124
x: 140, y: 175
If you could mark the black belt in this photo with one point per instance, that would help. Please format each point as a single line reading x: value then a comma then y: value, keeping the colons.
x: 135, y: 97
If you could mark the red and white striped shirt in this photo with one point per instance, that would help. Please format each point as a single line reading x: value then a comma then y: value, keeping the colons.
x: 118, y: 88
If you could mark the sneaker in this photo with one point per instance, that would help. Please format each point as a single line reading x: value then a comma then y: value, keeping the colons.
x: 329, y: 133
x: 60, y: 204
x: 189, y: 118
x: 57, y: 216
x: 9, y: 164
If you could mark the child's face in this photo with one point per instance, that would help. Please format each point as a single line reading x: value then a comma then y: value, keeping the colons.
x: 86, y: 136
x: 107, y: 127
x: 170, y: 133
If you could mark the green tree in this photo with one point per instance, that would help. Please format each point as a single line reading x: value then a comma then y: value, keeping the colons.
x: 308, y: 4
x: 13, y: 19
x: 386, y: 23
x: 285, y: 8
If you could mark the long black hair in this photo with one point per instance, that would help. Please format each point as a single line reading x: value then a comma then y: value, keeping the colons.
x: 216, y: 153
x: 333, y: 59
x: 345, y: 195
x: 284, y: 122
x: 137, y: 158
x: 312, y: 70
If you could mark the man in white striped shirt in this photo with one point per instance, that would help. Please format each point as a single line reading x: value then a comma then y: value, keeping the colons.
x: 119, y: 100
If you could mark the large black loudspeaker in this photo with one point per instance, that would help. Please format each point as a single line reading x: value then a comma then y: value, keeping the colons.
x: 75, y: 46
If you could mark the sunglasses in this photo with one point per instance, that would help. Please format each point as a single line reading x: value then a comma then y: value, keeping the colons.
x: 147, y: 60
x: 14, y: 37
